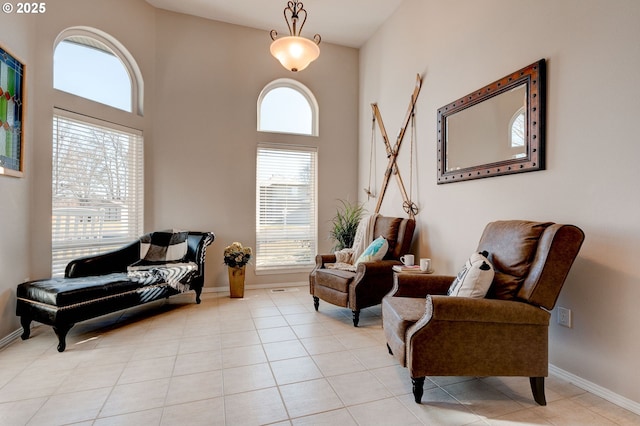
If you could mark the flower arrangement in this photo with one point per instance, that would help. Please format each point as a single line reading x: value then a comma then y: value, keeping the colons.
x: 237, y: 256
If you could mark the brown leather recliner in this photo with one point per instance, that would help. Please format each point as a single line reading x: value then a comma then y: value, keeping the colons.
x: 372, y: 280
x: 504, y: 334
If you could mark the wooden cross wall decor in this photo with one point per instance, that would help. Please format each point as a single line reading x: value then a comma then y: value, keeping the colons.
x: 392, y: 153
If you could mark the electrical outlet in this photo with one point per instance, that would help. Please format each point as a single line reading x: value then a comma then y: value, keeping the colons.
x: 564, y: 317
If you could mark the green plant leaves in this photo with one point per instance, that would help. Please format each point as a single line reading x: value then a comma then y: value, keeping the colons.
x: 345, y: 223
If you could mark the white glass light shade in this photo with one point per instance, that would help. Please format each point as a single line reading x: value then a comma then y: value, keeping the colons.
x: 295, y: 53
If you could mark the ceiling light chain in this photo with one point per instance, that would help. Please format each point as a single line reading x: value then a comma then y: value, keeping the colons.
x: 295, y: 52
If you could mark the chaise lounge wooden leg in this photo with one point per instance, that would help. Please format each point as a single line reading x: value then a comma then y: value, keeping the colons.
x: 418, y: 388
x: 316, y: 302
x: 356, y: 317
x: 61, y: 331
x: 198, y: 293
x: 26, y: 327
x: 537, y: 387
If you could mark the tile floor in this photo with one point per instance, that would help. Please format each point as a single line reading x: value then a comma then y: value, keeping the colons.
x: 265, y: 359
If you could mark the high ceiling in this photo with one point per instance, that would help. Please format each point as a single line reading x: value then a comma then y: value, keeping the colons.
x: 345, y: 22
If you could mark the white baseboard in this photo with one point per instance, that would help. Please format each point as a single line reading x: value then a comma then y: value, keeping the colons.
x: 10, y: 338
x: 225, y: 288
x: 598, y: 390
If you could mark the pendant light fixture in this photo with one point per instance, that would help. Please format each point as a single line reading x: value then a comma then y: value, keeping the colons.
x: 295, y: 53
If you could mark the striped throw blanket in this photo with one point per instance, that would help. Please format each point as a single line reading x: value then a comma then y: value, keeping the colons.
x: 176, y: 275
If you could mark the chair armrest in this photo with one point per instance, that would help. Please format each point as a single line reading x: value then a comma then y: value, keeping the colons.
x: 105, y: 263
x: 323, y: 259
x: 376, y: 268
x: 466, y: 309
x: 420, y: 285
x: 372, y: 282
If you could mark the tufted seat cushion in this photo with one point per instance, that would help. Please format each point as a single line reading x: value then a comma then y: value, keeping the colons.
x: 62, y: 292
x: 336, y: 279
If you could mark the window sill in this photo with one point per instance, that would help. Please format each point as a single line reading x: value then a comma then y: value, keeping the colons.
x: 285, y: 270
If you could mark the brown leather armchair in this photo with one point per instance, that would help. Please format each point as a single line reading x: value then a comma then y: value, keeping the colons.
x: 372, y: 280
x: 504, y: 334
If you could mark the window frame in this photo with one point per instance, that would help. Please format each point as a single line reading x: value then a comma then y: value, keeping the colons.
x: 93, y: 112
x: 118, y: 50
x: 518, y: 151
x: 84, y: 234
x: 313, y: 236
x: 298, y: 87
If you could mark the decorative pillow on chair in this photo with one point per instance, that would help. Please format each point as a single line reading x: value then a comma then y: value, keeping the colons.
x: 474, y: 279
x: 376, y: 251
x: 163, y: 246
x: 344, y: 256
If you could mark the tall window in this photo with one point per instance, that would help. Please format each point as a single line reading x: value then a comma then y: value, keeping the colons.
x: 97, y: 165
x: 286, y: 201
x: 286, y: 219
x: 97, y: 187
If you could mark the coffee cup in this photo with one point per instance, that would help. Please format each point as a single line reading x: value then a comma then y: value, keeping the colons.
x: 425, y: 265
x: 407, y: 259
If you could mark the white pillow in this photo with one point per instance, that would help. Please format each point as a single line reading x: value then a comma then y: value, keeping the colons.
x: 474, y: 279
x: 376, y: 251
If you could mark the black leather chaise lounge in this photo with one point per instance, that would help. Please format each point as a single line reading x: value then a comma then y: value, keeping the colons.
x: 98, y: 285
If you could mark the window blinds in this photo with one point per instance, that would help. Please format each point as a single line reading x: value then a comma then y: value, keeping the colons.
x: 286, y: 216
x: 97, y: 187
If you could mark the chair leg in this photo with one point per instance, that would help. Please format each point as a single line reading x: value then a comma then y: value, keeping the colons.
x: 537, y: 387
x: 26, y: 327
x: 61, y: 331
x: 316, y: 302
x: 356, y: 317
x: 389, y: 349
x: 418, y: 388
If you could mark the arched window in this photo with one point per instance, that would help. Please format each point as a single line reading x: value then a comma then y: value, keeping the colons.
x: 517, y: 134
x: 286, y: 181
x: 97, y: 163
x: 287, y: 106
x: 95, y: 66
x: 516, y: 128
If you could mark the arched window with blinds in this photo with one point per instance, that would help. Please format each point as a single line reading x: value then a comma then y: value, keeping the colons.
x: 286, y: 180
x: 97, y: 165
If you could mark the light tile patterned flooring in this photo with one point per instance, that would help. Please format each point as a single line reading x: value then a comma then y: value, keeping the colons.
x: 265, y: 359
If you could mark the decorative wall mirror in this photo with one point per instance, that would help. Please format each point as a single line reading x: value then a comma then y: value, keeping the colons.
x: 496, y: 130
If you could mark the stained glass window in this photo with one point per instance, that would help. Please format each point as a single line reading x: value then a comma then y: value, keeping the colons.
x: 11, y: 86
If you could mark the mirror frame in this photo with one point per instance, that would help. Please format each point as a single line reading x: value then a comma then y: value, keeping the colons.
x: 534, y: 78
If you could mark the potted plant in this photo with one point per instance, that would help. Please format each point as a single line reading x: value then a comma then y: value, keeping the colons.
x: 236, y: 258
x: 345, y: 223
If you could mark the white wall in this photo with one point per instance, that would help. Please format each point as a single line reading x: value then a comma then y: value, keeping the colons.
x: 209, y: 77
x: 593, y: 57
x: 202, y: 80
x: 17, y: 38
